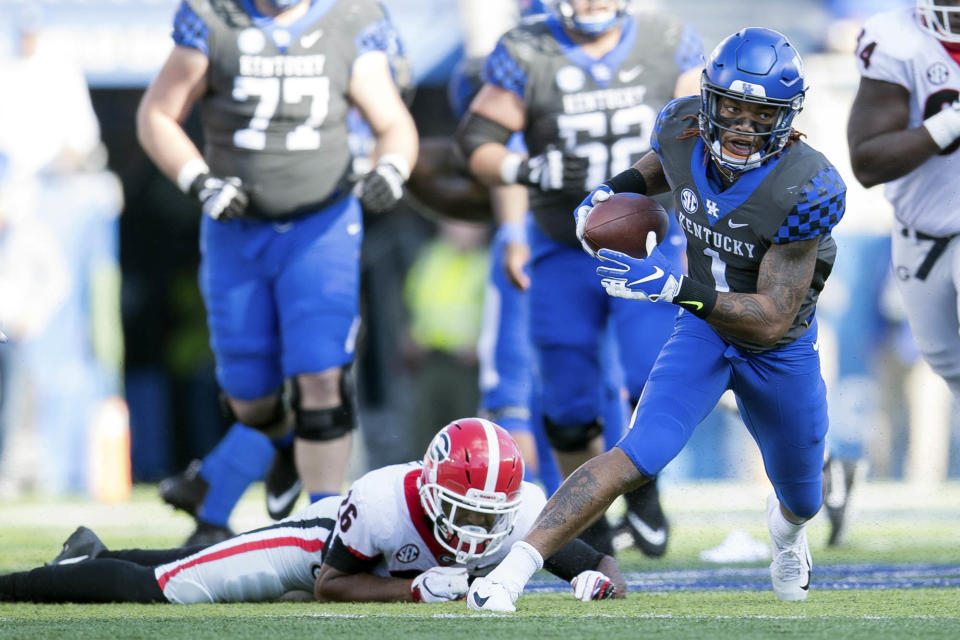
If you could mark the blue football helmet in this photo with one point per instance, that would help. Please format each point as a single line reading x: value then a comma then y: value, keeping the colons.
x: 753, y: 65
x: 589, y: 25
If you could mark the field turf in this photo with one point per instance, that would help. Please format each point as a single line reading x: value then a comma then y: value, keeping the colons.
x: 897, y: 576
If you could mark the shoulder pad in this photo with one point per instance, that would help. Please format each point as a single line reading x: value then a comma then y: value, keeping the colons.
x: 895, y: 33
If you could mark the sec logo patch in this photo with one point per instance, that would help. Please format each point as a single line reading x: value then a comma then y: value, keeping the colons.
x: 689, y: 201
x: 407, y: 553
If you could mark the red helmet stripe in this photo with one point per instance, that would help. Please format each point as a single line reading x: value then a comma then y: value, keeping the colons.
x: 493, y: 456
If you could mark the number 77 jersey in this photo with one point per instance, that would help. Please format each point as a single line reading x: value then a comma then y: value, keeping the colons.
x: 602, y: 109
x: 275, y: 110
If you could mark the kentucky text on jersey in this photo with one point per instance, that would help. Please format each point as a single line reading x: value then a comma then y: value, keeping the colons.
x: 604, y: 99
x: 717, y: 239
x: 271, y: 66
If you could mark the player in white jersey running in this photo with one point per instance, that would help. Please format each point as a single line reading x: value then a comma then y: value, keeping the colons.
x: 411, y: 532
x: 904, y: 130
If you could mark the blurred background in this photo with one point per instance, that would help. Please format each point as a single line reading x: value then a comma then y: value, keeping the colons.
x: 107, y: 376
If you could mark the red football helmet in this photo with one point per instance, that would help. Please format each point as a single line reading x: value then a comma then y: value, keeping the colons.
x: 470, y: 486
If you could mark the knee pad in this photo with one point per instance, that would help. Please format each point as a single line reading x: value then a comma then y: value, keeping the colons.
x: 571, y: 439
x: 321, y: 425
x: 263, y: 423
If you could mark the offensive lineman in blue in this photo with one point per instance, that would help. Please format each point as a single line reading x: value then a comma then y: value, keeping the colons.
x: 757, y: 206
x: 282, y: 227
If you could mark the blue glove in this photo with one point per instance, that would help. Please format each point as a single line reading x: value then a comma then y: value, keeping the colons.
x: 652, y: 278
x: 599, y: 194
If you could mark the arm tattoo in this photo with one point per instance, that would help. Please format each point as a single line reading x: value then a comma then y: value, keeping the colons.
x: 782, y: 283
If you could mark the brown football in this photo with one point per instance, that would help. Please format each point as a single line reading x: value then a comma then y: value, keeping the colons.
x: 622, y: 222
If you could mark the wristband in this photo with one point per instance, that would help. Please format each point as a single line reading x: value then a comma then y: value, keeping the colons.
x: 944, y: 126
x: 630, y: 181
x: 510, y: 167
x: 189, y: 171
x: 695, y: 297
x: 398, y: 162
x: 513, y: 232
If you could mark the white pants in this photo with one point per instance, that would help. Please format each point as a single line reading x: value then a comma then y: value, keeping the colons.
x: 931, y: 304
x: 256, y: 566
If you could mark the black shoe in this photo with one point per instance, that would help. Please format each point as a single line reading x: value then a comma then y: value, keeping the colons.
x: 599, y: 535
x: 838, y: 480
x: 283, y: 484
x: 644, y: 524
x: 83, y: 544
x: 207, y: 534
x: 185, y: 490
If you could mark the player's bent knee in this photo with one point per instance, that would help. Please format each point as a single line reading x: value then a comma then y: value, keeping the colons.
x: 266, y: 414
x: 802, y: 506
x: 570, y: 439
x: 322, y: 425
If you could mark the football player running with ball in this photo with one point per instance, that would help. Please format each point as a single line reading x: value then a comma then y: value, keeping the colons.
x: 904, y: 130
x: 583, y: 84
x: 282, y: 227
x: 757, y: 206
x: 415, y: 532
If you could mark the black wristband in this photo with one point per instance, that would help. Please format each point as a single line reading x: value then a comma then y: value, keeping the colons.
x: 573, y: 558
x: 630, y: 181
x: 695, y: 297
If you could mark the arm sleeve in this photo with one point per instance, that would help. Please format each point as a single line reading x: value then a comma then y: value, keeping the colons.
x: 573, y: 558
x: 818, y: 209
x: 189, y: 29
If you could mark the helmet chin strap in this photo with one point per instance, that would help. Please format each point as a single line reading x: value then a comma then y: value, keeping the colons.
x: 732, y: 163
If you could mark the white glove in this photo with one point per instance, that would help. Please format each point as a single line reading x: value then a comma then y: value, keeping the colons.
x: 595, y: 197
x: 220, y: 198
x: 592, y: 585
x: 440, y: 584
x: 944, y: 126
x: 491, y: 595
x: 380, y: 190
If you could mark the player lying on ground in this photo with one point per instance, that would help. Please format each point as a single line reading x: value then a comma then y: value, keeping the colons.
x: 410, y: 532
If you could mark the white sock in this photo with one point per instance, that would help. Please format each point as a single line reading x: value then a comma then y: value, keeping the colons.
x: 518, y: 567
x: 784, y: 532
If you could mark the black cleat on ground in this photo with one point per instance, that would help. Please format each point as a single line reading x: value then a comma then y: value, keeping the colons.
x: 839, y: 476
x: 185, y: 490
x: 207, y: 534
x: 644, y: 524
x: 282, y: 484
x: 83, y: 544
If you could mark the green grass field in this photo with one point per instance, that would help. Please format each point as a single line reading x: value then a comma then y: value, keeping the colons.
x: 894, y: 525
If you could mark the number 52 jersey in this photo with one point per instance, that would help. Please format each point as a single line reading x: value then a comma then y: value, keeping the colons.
x: 275, y: 110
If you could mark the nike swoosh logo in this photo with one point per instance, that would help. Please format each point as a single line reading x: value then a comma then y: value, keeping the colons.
x: 816, y: 345
x: 278, y: 503
x: 737, y: 225
x: 74, y: 560
x: 692, y: 303
x: 310, y: 39
x: 657, y: 273
x: 478, y: 600
x: 629, y: 75
x: 653, y: 536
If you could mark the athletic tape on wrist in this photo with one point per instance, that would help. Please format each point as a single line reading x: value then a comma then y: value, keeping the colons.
x: 189, y: 172
x: 398, y: 162
x: 514, y: 232
x: 944, y: 127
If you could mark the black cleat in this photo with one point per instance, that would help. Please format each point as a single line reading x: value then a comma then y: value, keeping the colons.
x: 283, y: 484
x: 83, y: 544
x: 207, y: 534
x: 839, y: 477
x: 599, y: 535
x: 185, y: 490
x: 644, y: 524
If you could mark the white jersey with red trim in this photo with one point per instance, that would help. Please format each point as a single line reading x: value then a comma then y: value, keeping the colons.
x: 382, y: 518
x: 894, y: 48
x: 256, y: 566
